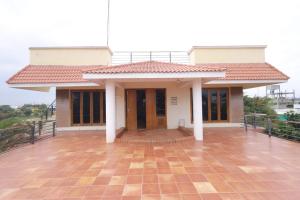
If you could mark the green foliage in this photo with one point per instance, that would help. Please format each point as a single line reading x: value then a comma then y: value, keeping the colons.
x: 5, y: 123
x: 258, y: 105
x: 10, y: 116
x: 292, y: 116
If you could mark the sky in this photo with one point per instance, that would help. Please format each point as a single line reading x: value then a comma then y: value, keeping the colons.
x: 137, y: 25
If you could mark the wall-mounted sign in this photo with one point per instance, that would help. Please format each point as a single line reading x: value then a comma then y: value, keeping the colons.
x: 173, y: 101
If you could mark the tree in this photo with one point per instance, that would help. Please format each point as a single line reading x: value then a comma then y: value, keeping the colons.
x: 258, y: 105
x: 6, y: 109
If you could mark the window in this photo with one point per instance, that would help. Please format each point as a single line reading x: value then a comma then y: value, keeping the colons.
x: 214, y: 104
x: 88, y: 107
x: 223, y: 104
x: 76, y: 107
x: 160, y: 102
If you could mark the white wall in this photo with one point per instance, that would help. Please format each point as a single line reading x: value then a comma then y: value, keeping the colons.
x: 120, y: 108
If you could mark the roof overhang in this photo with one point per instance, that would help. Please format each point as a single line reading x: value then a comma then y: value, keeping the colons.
x: 246, y: 84
x: 45, y: 87
x: 182, y: 75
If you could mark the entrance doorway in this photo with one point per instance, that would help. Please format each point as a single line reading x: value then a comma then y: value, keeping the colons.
x: 141, y: 109
x: 145, y: 109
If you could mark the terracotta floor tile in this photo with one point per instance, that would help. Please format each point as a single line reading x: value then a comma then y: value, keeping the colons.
x: 166, y: 178
x: 150, y: 178
x: 231, y: 196
x: 186, y: 188
x: 197, y: 177
x: 95, y: 191
x: 210, y: 197
x: 150, y: 171
x: 191, y: 197
x: 171, y: 197
x: 85, y: 181
x: 134, y: 179
x: 102, y: 180
x: 204, y: 187
x: 151, y: 197
x: 182, y: 178
x: 113, y: 190
x: 168, y: 188
x: 132, y: 190
x: 117, y: 180
x: 151, y: 189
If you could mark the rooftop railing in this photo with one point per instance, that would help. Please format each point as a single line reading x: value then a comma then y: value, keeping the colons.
x: 124, y: 57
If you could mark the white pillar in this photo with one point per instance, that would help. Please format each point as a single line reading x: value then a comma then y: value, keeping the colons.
x: 110, y: 100
x: 197, y: 109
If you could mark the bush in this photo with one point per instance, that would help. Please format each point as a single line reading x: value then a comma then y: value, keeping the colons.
x: 5, y: 123
x: 258, y: 105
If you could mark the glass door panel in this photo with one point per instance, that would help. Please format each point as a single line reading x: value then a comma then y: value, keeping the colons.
x: 205, y: 105
x: 214, y: 104
x: 86, y: 107
x: 223, y: 104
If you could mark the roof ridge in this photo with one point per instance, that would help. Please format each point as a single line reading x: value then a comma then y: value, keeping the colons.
x: 138, y: 63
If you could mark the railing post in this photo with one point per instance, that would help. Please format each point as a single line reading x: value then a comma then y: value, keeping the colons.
x: 40, y: 127
x: 245, y: 123
x: 53, y: 128
x: 269, y: 127
x: 47, y: 114
x: 52, y: 110
x: 254, y: 121
x: 32, y: 132
x: 170, y: 56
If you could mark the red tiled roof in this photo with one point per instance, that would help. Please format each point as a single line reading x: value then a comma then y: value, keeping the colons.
x: 73, y: 74
x: 50, y: 74
x: 154, y: 67
x: 249, y: 71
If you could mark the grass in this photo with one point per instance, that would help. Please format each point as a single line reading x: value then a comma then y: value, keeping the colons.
x: 6, y: 123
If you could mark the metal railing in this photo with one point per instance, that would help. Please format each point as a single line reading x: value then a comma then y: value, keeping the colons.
x: 42, y: 129
x: 26, y: 133
x: 50, y: 111
x: 273, y: 126
x: 124, y: 57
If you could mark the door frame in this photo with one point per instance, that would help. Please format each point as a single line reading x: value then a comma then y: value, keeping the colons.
x: 125, y: 99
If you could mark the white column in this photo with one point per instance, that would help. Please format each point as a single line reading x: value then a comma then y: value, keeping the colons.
x: 197, y: 109
x: 110, y: 100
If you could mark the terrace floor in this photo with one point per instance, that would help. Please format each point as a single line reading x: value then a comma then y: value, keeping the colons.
x: 229, y: 164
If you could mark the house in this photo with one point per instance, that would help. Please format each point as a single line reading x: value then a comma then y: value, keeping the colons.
x: 93, y: 94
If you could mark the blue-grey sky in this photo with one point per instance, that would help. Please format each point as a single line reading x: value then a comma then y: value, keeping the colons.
x: 146, y: 25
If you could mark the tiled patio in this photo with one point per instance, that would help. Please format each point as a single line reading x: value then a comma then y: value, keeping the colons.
x: 228, y: 165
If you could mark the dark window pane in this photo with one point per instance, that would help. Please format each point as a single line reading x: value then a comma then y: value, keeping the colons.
x: 205, y: 105
x: 213, y: 104
x: 223, y: 104
x: 160, y: 102
x: 96, y: 107
x: 76, y: 107
x: 86, y: 107
x: 104, y: 108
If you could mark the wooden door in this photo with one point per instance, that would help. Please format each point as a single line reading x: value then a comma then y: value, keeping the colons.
x: 151, y: 122
x: 131, y: 110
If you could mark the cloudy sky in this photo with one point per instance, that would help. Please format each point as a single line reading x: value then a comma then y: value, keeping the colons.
x: 146, y: 25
